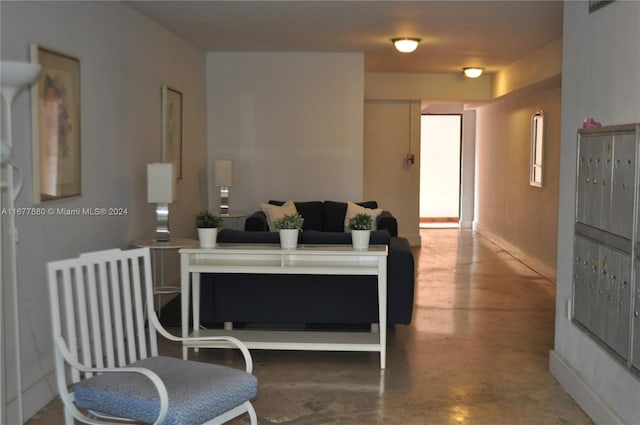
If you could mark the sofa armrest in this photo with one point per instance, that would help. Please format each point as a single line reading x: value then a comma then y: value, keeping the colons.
x: 400, y: 281
x: 256, y: 222
x: 388, y: 222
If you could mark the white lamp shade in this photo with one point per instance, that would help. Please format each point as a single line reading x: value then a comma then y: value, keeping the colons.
x: 14, y: 76
x: 224, y: 172
x: 161, y: 186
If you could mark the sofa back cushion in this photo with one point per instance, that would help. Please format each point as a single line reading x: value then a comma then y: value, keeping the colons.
x: 239, y: 236
x: 311, y: 212
x: 334, y: 213
x: 378, y: 237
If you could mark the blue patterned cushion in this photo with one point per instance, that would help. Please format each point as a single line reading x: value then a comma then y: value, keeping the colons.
x: 197, y: 391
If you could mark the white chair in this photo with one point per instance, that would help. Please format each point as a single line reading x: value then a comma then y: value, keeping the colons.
x: 106, y: 352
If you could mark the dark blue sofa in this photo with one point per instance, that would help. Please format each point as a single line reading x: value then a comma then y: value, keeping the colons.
x: 327, y: 216
x: 309, y: 299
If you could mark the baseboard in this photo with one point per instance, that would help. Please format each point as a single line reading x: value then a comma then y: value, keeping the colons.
x: 34, y: 398
x: 466, y: 224
x: 414, y: 240
x: 573, y: 384
x: 535, y: 264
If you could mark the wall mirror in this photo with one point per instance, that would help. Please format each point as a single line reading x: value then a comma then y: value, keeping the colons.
x: 537, y: 149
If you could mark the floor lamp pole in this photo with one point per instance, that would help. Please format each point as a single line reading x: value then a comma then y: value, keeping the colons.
x: 13, y: 276
x: 3, y: 388
x: 14, y: 77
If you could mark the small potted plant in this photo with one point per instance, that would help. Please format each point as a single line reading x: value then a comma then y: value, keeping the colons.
x: 360, y: 225
x: 288, y: 226
x: 207, y: 224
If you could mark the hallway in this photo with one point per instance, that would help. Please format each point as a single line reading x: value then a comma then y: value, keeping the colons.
x: 476, y: 353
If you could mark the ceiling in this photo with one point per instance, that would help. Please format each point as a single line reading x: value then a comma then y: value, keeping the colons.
x: 489, y: 34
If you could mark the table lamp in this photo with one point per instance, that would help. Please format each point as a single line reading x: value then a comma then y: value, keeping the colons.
x: 224, y: 180
x: 161, y: 190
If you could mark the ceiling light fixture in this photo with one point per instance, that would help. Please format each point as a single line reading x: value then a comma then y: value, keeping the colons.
x: 405, y: 45
x: 472, y: 72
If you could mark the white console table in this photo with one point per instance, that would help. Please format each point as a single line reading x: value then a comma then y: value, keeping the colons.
x: 271, y: 259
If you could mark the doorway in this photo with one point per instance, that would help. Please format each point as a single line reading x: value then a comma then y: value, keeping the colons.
x: 440, y: 159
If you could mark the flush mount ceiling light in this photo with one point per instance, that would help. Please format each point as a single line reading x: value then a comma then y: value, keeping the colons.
x: 405, y: 45
x: 472, y: 72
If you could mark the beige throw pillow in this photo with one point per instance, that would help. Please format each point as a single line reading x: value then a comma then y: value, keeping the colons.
x: 354, y: 209
x: 274, y: 212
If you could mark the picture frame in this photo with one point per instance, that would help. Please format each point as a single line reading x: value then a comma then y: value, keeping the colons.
x: 172, y: 129
x: 597, y: 4
x: 56, y: 126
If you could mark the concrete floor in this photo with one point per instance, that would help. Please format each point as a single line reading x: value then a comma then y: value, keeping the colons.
x: 476, y: 353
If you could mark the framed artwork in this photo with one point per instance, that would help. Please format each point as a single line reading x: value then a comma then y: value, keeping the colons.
x: 172, y: 129
x: 55, y: 103
x: 597, y: 4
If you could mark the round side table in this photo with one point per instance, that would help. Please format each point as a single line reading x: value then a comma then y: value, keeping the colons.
x: 161, y: 288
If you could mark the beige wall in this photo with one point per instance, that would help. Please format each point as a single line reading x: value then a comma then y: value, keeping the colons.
x: 387, y: 177
x: 520, y: 217
x: 508, y: 208
x: 292, y: 122
x: 540, y: 65
x: 432, y: 87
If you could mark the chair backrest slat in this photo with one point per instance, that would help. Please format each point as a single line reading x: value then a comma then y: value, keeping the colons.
x: 139, y: 314
x: 99, y: 304
x: 95, y: 316
x: 70, y: 319
x: 107, y: 324
x: 129, y: 325
x: 147, y: 298
x: 82, y: 319
x: 116, y: 305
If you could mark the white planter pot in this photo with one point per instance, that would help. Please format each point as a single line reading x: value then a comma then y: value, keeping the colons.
x: 360, y: 239
x: 288, y: 238
x: 207, y: 237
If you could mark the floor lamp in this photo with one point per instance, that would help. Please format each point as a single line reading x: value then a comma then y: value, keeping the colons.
x: 14, y: 76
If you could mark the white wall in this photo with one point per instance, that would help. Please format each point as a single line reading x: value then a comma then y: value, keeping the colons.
x: 292, y: 123
x: 601, y: 59
x: 125, y: 58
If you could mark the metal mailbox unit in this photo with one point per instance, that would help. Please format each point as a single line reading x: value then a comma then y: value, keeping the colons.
x: 606, y: 271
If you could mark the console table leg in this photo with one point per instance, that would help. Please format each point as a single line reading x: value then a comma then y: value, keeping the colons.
x: 195, y: 306
x: 382, y: 309
x: 184, y: 301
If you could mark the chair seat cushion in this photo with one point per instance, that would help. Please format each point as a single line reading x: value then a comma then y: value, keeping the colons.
x: 197, y: 391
